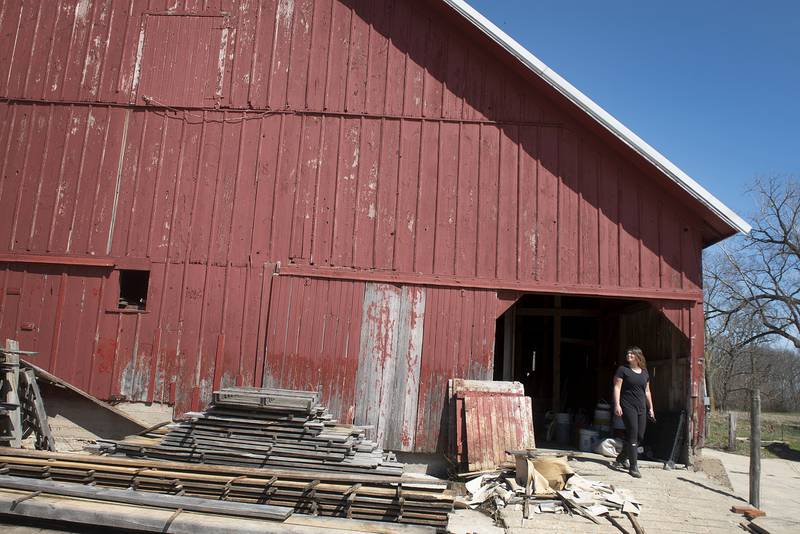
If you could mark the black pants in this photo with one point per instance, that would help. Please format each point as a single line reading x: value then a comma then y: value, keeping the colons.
x: 635, y: 419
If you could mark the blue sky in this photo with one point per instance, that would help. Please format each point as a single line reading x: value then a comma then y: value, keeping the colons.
x: 713, y: 85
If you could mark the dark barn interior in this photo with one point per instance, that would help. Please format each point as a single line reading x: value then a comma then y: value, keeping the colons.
x: 565, y: 349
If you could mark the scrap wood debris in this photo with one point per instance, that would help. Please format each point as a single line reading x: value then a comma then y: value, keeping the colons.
x: 546, y: 484
x: 750, y: 512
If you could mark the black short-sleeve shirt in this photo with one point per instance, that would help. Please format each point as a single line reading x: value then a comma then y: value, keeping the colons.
x: 633, y: 386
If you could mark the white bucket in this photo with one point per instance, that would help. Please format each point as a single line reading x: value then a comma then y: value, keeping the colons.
x: 587, y: 439
x: 602, y: 415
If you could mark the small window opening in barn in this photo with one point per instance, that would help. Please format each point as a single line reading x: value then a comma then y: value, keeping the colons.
x: 564, y: 349
x: 133, y: 289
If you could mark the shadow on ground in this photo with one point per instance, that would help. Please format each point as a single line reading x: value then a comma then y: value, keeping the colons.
x: 584, y: 459
x: 709, y: 488
x: 784, y: 451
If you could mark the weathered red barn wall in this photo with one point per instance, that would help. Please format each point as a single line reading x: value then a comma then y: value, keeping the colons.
x: 361, y: 141
x: 404, y: 196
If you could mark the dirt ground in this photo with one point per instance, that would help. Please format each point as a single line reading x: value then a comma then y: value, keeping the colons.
x: 715, y: 470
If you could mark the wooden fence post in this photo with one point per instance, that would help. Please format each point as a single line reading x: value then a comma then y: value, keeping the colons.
x: 731, y: 431
x: 755, y: 449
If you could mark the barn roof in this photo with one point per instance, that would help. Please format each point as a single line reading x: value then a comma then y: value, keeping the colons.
x: 601, y: 116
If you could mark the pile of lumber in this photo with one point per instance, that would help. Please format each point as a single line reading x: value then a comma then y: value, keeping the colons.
x: 253, y: 427
x: 328, y: 494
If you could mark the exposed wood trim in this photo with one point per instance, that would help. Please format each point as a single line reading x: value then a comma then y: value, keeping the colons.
x: 557, y: 358
x: 561, y: 312
x: 392, y: 277
x: 58, y: 260
x: 509, y: 339
x: 139, y: 264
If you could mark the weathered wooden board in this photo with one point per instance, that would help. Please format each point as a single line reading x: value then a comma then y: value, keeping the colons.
x: 173, y: 502
x: 387, y: 382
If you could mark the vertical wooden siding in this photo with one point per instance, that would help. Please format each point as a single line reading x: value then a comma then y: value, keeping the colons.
x: 313, y: 339
x: 458, y: 341
x: 385, y: 138
x: 374, y: 137
x: 186, y: 344
x: 317, y: 338
x: 378, y: 194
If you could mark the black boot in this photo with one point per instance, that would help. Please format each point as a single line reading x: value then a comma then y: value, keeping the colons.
x: 633, y: 454
x: 622, y: 458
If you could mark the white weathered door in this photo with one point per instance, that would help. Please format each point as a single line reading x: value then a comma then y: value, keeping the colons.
x: 387, y: 381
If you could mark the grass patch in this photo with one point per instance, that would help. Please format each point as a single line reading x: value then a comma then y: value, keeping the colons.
x: 780, y: 434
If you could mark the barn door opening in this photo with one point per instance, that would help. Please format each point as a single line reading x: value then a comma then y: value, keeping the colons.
x: 565, y: 349
x: 387, y: 380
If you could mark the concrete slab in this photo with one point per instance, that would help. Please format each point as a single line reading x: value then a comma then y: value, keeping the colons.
x: 780, y: 485
x: 469, y: 521
x: 680, y: 500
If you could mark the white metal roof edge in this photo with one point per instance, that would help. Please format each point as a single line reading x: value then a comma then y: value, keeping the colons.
x: 600, y: 115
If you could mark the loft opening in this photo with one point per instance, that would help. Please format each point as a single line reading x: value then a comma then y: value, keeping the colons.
x: 133, y: 286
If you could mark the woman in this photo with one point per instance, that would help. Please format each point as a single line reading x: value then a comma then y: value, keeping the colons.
x: 633, y: 402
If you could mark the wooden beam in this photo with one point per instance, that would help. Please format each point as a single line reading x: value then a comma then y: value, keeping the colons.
x: 120, y: 516
x: 122, y: 461
x: 156, y: 500
x: 526, y: 286
x: 557, y: 357
x: 509, y: 341
x: 561, y: 312
x: 57, y: 260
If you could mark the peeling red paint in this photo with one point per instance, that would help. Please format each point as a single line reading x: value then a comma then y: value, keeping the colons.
x: 104, y: 357
x: 386, y: 144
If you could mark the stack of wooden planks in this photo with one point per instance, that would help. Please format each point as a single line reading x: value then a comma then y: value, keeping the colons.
x: 330, y: 494
x: 253, y: 427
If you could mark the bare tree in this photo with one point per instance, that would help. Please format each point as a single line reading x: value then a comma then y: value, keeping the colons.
x: 758, y: 275
x: 759, y: 278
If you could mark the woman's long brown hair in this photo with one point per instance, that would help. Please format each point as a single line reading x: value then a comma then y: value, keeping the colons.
x: 636, y: 351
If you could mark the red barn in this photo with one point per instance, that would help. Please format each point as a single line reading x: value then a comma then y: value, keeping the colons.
x: 369, y: 197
